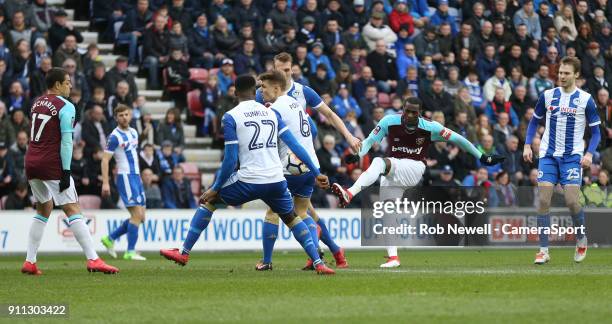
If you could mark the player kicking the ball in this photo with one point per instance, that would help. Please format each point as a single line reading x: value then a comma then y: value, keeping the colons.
x: 567, y: 110
x: 251, y: 138
x: 47, y: 166
x: 408, y: 136
x: 123, y: 144
x: 301, y: 126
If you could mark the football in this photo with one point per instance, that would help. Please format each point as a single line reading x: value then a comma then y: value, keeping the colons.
x: 294, y: 165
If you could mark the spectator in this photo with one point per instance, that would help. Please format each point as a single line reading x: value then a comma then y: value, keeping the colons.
x: 528, y: 190
x: 307, y: 35
x: 368, y: 102
x: 364, y: 81
x: 155, y: 50
x: 60, y: 29
x: 151, y: 190
x: 99, y: 78
x: 320, y: 82
x: 6, y: 170
x: 316, y: 58
x: 409, y: 85
x: 78, y: 167
x: 476, y: 17
x: 430, y: 75
x: 17, y: 153
x: 565, y: 18
x: 487, y: 64
x: 400, y: 16
x: 331, y: 36
x: 171, y: 129
x: 502, y: 130
x: 67, y: 50
x: 526, y: 16
x: 552, y: 60
x: 517, y: 79
x: 475, y: 90
x: 549, y: 40
x: 452, y: 84
x: 226, y: 40
x: 592, y: 58
x: 539, y: 83
x: 201, y: 44
x: 599, y: 194
x: 226, y: 75
x: 120, y: 97
x: 426, y: 44
x: 18, y: 199
x: 445, y: 39
x: 598, y: 80
x: 343, y: 77
x: 487, y: 146
x: 247, y: 61
x: 150, y: 160
x: 20, y: 121
x: 331, y: 161
x: 282, y: 16
x: 179, y: 13
x: 498, y: 105
x: 7, y: 135
x: 120, y: 72
x: 136, y: 23
x: 545, y: 16
x: 406, y: 59
x: 383, y: 67
x: 297, y: 76
x: 77, y: 78
x: 353, y: 39
x: 20, y: 30
x: 582, y: 14
x: 462, y: 126
x: 438, y: 100
x: 268, y: 41
x: 519, y: 100
x: 310, y: 9
x: 505, y: 193
x: 17, y: 99
x: 442, y: 16
x: 466, y: 39
x: 377, y: 114
x: 584, y: 39
x: 94, y: 130
x: 498, y: 81
x: 333, y: 11
x: 344, y: 103
x: 40, y: 14
x: 375, y: 31
x: 176, y: 191
x: 446, y: 178
x: 247, y: 13
x: 178, y: 40
x: 531, y: 62
x: 288, y: 42
x: 501, y: 14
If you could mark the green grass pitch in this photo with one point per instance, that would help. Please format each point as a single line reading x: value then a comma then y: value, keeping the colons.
x: 462, y: 286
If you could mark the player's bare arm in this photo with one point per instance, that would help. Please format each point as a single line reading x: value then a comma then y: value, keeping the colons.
x: 353, y: 141
x: 106, y: 157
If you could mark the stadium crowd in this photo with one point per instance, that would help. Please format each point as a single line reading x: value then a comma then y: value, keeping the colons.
x: 477, y: 66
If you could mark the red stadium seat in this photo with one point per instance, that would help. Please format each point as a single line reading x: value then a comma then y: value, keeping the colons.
x: 197, y: 74
x: 384, y: 100
x: 194, y: 103
x: 90, y: 202
x: 193, y: 174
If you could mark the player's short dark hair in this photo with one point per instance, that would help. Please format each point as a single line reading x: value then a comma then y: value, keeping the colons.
x: 55, y: 75
x: 573, y: 61
x: 120, y: 108
x: 283, y: 57
x: 274, y: 77
x: 413, y: 102
x: 245, y: 84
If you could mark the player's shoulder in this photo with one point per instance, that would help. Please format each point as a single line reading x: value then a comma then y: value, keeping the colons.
x: 428, y: 124
x: 392, y: 119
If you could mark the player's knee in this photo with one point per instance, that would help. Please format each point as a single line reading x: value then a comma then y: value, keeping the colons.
x: 544, y: 206
x: 271, y: 217
x: 71, y: 209
x: 290, y: 219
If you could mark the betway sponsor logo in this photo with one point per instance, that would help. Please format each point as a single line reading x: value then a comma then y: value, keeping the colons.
x: 406, y: 150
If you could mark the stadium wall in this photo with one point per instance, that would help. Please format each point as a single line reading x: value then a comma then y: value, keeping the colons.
x: 237, y: 229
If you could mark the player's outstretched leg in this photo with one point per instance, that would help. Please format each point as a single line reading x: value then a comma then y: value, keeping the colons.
x: 378, y: 167
x: 199, y: 222
x: 302, y: 235
x: 269, y: 235
x: 326, y: 238
x: 137, y: 216
x: 571, y: 200
x: 37, y: 230
x: 79, y: 228
x: 545, y: 191
x: 392, y: 258
x: 109, y: 240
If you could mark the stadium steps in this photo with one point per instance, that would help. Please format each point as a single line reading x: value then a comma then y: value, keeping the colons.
x: 141, y: 83
x: 151, y: 94
x: 104, y: 48
x: 80, y: 25
x: 57, y: 3
x: 202, y: 155
x: 90, y: 37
